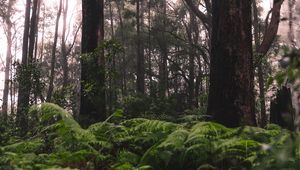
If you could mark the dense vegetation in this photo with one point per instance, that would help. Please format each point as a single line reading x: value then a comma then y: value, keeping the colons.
x: 150, y: 84
x: 56, y: 141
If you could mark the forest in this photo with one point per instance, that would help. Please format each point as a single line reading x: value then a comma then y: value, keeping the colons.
x: 149, y: 85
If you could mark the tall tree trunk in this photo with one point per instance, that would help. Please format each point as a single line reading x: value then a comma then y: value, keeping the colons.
x: 111, y: 20
x: 140, y: 51
x: 263, y: 47
x: 263, y: 116
x: 24, y: 88
x: 231, y: 92
x: 33, y: 30
x: 151, y: 88
x: 163, y: 67
x: 120, y: 8
x: 111, y: 97
x: 41, y: 52
x: 64, y: 57
x: 191, y: 83
x: 33, y: 43
x: 8, y: 23
x: 93, y: 106
x: 53, y: 54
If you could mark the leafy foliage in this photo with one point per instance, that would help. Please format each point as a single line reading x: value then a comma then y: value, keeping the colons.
x: 57, y: 141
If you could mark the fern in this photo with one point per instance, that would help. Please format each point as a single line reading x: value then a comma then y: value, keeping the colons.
x: 57, y: 141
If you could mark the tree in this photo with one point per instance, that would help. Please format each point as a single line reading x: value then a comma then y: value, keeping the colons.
x: 93, y: 107
x: 64, y: 57
x: 53, y: 53
x: 140, y: 50
x: 261, y: 49
x: 231, y: 92
x: 163, y: 64
x: 8, y: 29
x: 24, y: 83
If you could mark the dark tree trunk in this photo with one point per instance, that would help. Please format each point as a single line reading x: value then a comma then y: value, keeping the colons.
x: 53, y: 54
x: 163, y: 67
x: 193, y: 33
x: 64, y: 57
x: 33, y: 30
x: 140, y: 51
x: 33, y: 46
x: 282, y: 111
x: 231, y: 92
x: 93, y: 107
x: 24, y: 87
x: 120, y: 8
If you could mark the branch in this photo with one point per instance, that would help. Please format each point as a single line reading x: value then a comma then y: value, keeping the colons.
x: 203, y: 17
x: 73, y: 43
x: 271, y: 28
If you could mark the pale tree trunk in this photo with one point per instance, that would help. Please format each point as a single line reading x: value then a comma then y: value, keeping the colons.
x: 53, y: 54
x: 8, y: 30
x: 262, y: 120
x: 64, y: 57
x: 41, y: 52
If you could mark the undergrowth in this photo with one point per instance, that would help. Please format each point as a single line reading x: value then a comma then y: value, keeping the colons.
x: 56, y: 141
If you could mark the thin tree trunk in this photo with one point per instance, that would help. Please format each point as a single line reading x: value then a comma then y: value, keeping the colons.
x: 140, y: 51
x: 33, y: 30
x: 263, y: 116
x: 112, y: 82
x: 151, y: 88
x: 33, y: 44
x: 64, y: 54
x: 163, y: 70
x: 120, y: 7
x: 8, y: 24
x: 53, y: 54
x: 111, y: 20
x: 43, y: 33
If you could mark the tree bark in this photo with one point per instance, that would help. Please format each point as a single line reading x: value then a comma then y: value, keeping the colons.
x: 262, y: 120
x: 53, y: 54
x: 271, y: 28
x: 231, y: 92
x: 8, y: 25
x: 120, y: 8
x: 93, y: 105
x: 64, y: 55
x: 163, y: 65
x: 24, y: 88
x: 140, y: 51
